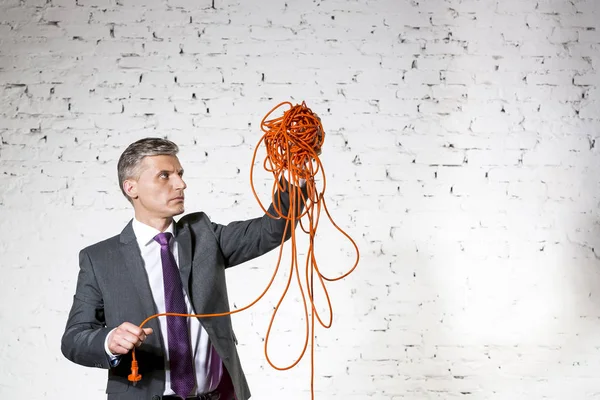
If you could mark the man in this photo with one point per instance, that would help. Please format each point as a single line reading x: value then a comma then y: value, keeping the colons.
x: 159, y: 265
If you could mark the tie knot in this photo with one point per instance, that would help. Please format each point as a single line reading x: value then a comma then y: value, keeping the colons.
x: 163, y: 238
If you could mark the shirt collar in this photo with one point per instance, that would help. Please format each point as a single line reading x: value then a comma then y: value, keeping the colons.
x: 145, y: 234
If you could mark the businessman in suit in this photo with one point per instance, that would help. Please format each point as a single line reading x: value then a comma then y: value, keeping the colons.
x: 159, y: 265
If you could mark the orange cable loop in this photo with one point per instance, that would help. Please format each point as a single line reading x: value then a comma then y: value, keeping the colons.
x: 293, y: 143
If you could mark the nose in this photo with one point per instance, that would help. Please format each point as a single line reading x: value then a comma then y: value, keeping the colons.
x: 179, y: 183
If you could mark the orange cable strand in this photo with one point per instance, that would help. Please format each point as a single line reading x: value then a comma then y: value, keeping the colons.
x: 293, y: 143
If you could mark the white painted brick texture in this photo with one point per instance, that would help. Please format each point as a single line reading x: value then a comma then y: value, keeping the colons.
x: 462, y: 154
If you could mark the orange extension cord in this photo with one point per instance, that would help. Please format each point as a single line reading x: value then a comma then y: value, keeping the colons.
x: 293, y: 144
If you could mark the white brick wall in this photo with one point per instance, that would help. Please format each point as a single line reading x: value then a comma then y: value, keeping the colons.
x: 462, y: 154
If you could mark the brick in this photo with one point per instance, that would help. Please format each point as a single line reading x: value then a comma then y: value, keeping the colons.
x: 586, y: 6
x: 502, y: 78
x: 95, y: 106
x: 554, y: 79
x: 458, y: 78
x: 582, y: 50
x: 555, y: 7
x: 124, y: 32
x: 491, y: 125
x: 494, y: 157
x: 42, y: 107
x: 189, y: 4
x: 171, y: 17
x: 590, y: 110
x: 563, y: 63
x: 16, y: 15
x: 493, y: 47
x: 563, y: 36
x: 117, y: 16
x: 589, y: 35
x: 416, y: 77
x: 586, y: 79
x: 94, y: 3
x: 70, y: 15
x: 37, y: 30
x: 472, y: 63
x: 515, y: 7
x: 450, y: 48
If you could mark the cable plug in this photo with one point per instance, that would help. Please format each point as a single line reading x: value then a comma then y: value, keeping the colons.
x: 134, y: 377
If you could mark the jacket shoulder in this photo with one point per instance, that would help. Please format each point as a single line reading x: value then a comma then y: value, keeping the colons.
x: 196, y: 218
x: 102, y: 246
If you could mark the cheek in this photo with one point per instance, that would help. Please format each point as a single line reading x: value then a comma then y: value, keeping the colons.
x: 153, y: 193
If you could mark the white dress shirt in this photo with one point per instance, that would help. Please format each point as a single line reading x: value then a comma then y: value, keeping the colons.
x: 207, y: 363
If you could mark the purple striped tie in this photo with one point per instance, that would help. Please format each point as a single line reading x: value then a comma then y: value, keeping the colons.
x: 183, y: 380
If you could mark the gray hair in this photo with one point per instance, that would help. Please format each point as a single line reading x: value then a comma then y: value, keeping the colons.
x: 130, y: 160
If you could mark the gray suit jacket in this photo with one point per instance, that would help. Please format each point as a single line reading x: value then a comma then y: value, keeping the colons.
x: 112, y: 287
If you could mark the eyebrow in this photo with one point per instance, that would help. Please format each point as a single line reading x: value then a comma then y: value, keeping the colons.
x: 169, y: 172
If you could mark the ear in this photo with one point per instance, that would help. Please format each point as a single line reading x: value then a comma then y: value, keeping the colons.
x: 130, y: 188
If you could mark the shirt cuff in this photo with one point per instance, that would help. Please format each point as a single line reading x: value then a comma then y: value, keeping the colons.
x: 113, y: 360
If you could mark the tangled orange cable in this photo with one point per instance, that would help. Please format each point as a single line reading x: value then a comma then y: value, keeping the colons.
x: 293, y: 144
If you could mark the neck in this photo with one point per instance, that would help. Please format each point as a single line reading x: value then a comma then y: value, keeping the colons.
x: 159, y: 223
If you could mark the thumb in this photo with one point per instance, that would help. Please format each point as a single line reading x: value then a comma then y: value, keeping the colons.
x: 148, y: 331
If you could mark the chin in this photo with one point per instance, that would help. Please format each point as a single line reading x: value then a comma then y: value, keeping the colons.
x: 179, y: 210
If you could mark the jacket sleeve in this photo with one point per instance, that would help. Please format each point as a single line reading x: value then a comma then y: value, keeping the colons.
x: 241, y: 241
x: 83, y: 339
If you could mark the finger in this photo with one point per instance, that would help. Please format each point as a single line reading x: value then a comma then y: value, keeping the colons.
x: 127, y: 344
x: 121, y: 335
x: 127, y: 340
x: 131, y: 328
x: 144, y: 335
x: 119, y: 350
x: 135, y: 339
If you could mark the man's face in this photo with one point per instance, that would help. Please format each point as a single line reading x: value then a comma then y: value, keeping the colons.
x: 158, y: 192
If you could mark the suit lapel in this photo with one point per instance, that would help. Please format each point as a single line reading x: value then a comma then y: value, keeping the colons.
x: 184, y: 248
x: 183, y: 237
x: 189, y: 247
x: 135, y: 267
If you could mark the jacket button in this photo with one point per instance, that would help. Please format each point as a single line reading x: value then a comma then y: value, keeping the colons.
x: 155, y: 397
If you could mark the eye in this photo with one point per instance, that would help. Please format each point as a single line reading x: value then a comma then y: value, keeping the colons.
x: 164, y: 175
